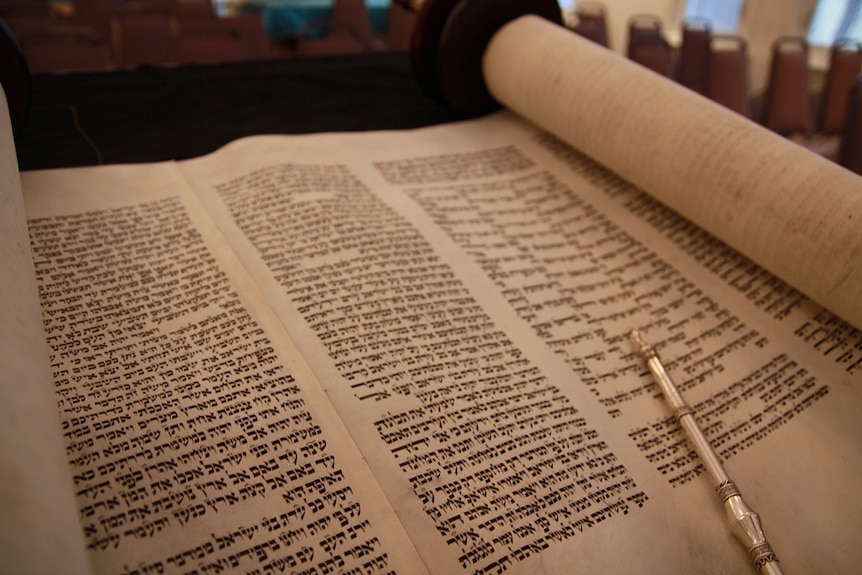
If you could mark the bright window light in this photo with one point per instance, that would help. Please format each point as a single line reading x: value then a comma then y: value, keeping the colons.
x: 722, y: 15
x: 836, y: 20
x: 827, y: 21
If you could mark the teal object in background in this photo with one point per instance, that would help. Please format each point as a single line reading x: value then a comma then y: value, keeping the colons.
x: 286, y: 19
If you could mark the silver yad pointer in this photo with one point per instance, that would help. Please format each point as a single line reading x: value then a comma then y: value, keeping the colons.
x: 744, y: 522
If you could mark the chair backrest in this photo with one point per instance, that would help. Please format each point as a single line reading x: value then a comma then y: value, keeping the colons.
x: 63, y: 47
x: 648, y: 47
x: 209, y: 41
x: 96, y: 14
x: 25, y: 9
x: 844, y: 66
x: 253, y: 35
x: 643, y: 27
x: 850, y: 153
x: 727, y: 79
x: 143, y: 33
x: 350, y: 31
x: 591, y: 22
x: 351, y: 17
x: 694, y: 55
x: 222, y: 40
x: 193, y: 11
x: 399, y: 32
x: 787, y: 108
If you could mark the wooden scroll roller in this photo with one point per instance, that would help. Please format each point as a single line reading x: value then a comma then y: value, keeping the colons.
x: 796, y: 214
x: 14, y: 77
x: 449, y: 41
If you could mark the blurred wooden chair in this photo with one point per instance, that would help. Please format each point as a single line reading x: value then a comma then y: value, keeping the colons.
x: 193, y: 11
x: 22, y: 16
x: 97, y: 14
x: 14, y: 78
x: 11, y: 10
x: 222, y: 40
x: 209, y: 41
x: 21, y: 24
x: 648, y: 47
x: 143, y: 32
x: 727, y: 76
x: 845, y: 65
x: 850, y: 150
x: 64, y: 47
x: 642, y: 27
x: 349, y: 32
x: 591, y: 22
x: 399, y: 32
x: 787, y: 106
x: 694, y: 55
x: 254, y: 38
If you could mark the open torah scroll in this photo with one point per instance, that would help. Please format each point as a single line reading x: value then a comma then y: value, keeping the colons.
x: 407, y: 352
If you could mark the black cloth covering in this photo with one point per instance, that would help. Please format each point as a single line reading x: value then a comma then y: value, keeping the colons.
x: 153, y: 113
